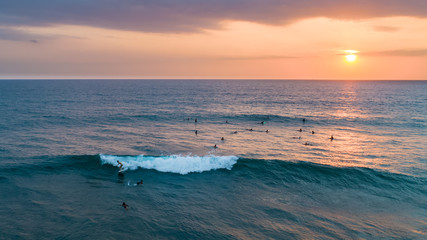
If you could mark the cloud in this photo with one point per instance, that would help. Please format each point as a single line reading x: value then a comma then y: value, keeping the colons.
x: 21, y: 35
x: 194, y: 15
x: 399, y: 52
x: 268, y: 57
x: 386, y: 28
x: 17, y: 35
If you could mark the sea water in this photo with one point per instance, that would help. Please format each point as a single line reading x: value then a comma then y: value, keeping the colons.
x: 60, y: 141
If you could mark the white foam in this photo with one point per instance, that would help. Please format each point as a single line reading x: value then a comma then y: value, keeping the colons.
x: 174, y: 163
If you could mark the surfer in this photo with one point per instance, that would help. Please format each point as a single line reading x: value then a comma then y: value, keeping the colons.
x: 250, y: 130
x: 195, y: 120
x: 332, y: 137
x: 235, y: 132
x: 266, y: 131
x: 140, y: 182
x: 262, y: 123
x: 215, y: 146
x: 303, y: 120
x: 120, y: 165
x: 306, y: 143
x: 312, y: 132
x: 124, y: 205
x: 195, y: 132
x: 222, y: 139
x: 300, y: 130
x: 226, y: 121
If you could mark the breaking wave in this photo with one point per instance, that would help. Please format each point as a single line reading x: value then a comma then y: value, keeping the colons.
x: 174, y: 163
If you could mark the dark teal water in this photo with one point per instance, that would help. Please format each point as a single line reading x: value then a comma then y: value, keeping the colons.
x: 60, y: 141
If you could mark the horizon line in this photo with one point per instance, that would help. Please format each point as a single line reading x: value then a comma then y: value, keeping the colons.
x: 207, y: 79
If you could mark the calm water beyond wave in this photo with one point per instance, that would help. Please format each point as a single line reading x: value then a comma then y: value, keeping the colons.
x: 60, y: 142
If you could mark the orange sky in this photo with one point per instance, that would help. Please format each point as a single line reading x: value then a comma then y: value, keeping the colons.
x: 390, y: 48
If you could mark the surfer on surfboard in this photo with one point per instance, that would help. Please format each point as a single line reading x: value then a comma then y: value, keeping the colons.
x: 120, y: 166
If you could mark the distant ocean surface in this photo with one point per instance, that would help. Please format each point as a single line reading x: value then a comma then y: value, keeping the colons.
x: 60, y: 141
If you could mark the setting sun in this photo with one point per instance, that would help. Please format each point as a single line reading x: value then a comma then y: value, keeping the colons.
x: 350, y: 58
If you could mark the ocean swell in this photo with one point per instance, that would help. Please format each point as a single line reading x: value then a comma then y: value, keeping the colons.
x: 174, y: 163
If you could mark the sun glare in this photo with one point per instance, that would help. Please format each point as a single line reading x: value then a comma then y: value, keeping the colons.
x: 350, y: 58
x: 350, y: 55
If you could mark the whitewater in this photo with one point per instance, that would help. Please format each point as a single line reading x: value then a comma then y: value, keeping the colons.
x: 174, y: 164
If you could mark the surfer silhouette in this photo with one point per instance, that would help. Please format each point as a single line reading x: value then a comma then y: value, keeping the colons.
x: 140, y: 182
x: 120, y: 167
x: 124, y: 205
x: 120, y: 164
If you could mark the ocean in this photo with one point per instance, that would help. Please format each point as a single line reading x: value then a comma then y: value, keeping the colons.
x: 276, y: 174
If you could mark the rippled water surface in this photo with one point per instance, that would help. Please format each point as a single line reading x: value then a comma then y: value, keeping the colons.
x: 60, y: 142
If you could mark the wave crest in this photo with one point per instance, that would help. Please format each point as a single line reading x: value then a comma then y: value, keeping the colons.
x: 174, y: 163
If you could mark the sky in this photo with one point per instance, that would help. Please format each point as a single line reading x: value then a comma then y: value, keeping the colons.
x: 215, y: 39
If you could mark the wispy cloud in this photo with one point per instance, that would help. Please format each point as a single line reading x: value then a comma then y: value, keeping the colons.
x: 10, y: 33
x: 195, y: 15
x: 385, y: 28
x: 399, y: 52
x: 18, y: 35
x: 264, y: 57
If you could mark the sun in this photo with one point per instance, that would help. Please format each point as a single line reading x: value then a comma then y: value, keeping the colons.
x: 350, y: 55
x: 350, y: 58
